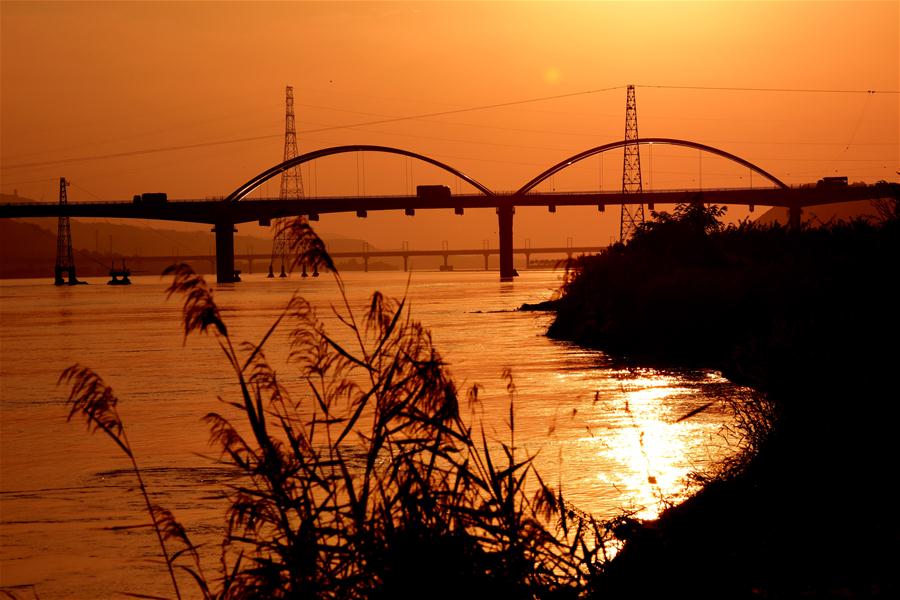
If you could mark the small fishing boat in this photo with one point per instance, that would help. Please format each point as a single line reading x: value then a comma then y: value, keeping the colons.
x: 119, y: 276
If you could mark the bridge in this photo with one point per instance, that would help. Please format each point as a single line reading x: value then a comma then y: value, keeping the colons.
x: 366, y: 255
x: 224, y: 214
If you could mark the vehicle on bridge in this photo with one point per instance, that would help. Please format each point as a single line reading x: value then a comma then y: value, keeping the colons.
x: 832, y: 182
x: 433, y: 192
x: 151, y: 198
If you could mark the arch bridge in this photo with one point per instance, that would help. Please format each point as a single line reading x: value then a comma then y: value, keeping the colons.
x: 236, y: 208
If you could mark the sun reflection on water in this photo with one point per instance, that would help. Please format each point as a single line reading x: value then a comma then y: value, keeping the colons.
x: 655, y: 453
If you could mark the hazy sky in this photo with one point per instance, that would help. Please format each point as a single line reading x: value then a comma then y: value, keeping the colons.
x: 82, y: 80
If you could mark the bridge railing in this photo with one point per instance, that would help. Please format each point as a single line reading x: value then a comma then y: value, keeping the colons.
x: 116, y: 202
x: 654, y: 191
x: 501, y: 194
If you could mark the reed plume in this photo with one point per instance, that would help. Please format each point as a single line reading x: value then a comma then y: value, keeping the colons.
x: 365, y: 481
x: 93, y: 400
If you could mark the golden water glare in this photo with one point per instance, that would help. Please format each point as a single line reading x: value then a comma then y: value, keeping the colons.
x: 652, y: 449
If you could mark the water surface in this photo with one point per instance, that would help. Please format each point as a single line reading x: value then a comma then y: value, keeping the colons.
x: 68, y: 504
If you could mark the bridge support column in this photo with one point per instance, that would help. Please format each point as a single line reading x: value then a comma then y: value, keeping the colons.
x: 486, y: 255
x: 224, y: 252
x: 405, y: 263
x: 505, y: 214
x: 794, y: 213
x: 366, y: 263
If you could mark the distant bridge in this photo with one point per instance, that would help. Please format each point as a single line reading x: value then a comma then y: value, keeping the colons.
x: 404, y: 254
x: 225, y: 213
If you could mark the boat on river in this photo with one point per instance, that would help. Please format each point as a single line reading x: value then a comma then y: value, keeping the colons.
x: 119, y: 276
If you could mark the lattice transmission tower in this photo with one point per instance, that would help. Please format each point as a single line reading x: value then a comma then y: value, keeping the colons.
x: 65, y: 260
x: 291, y: 185
x: 632, y: 214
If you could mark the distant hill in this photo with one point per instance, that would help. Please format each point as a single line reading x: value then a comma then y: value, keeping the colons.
x: 28, y: 246
x: 131, y: 240
x: 26, y: 250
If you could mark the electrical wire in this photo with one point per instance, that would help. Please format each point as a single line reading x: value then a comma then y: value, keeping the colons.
x: 306, y: 131
x: 147, y: 226
x: 139, y: 152
x: 432, y: 115
x: 454, y: 123
x: 751, y: 89
x: 862, y: 114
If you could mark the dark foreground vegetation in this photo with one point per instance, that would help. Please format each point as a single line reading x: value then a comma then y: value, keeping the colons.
x: 810, y: 320
x: 368, y: 481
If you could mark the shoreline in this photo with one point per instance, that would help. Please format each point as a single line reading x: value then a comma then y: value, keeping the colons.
x: 767, y: 525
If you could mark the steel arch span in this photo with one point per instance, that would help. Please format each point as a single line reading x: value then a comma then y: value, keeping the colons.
x: 254, y: 183
x: 650, y: 140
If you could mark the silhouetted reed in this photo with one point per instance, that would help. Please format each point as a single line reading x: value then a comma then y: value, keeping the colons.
x: 365, y: 481
x: 95, y: 401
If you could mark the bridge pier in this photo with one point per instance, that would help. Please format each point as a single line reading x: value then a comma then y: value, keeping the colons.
x: 366, y: 263
x: 794, y: 213
x: 405, y: 263
x: 225, y: 252
x: 505, y: 214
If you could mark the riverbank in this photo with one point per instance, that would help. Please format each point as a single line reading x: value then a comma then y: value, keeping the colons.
x: 810, y: 320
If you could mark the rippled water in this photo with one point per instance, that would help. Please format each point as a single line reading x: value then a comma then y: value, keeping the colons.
x: 68, y: 507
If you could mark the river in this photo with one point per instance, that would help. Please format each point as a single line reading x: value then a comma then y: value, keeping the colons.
x: 68, y: 504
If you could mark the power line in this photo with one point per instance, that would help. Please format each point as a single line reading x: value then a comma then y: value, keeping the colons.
x: 133, y: 135
x: 862, y: 114
x: 43, y: 180
x: 138, y: 152
x: 147, y: 226
x: 307, y: 131
x: 470, y: 109
x: 84, y: 189
x: 751, y: 89
x: 431, y: 115
x: 581, y: 133
x: 463, y: 141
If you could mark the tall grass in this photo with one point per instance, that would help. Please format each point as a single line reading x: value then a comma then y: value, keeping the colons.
x: 365, y: 481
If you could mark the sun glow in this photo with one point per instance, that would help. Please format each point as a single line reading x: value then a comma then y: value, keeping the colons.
x: 552, y: 76
x: 651, y: 448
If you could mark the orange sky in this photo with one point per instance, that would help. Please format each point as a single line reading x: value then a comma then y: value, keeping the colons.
x: 91, y: 79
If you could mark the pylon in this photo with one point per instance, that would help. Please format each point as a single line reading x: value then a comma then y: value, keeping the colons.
x: 632, y: 215
x: 291, y: 185
x: 65, y: 260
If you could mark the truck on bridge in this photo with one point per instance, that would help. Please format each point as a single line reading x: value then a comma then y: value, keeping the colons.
x: 433, y: 192
x: 832, y: 182
x: 151, y: 198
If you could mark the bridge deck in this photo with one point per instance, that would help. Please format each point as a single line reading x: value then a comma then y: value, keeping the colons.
x: 247, y: 210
